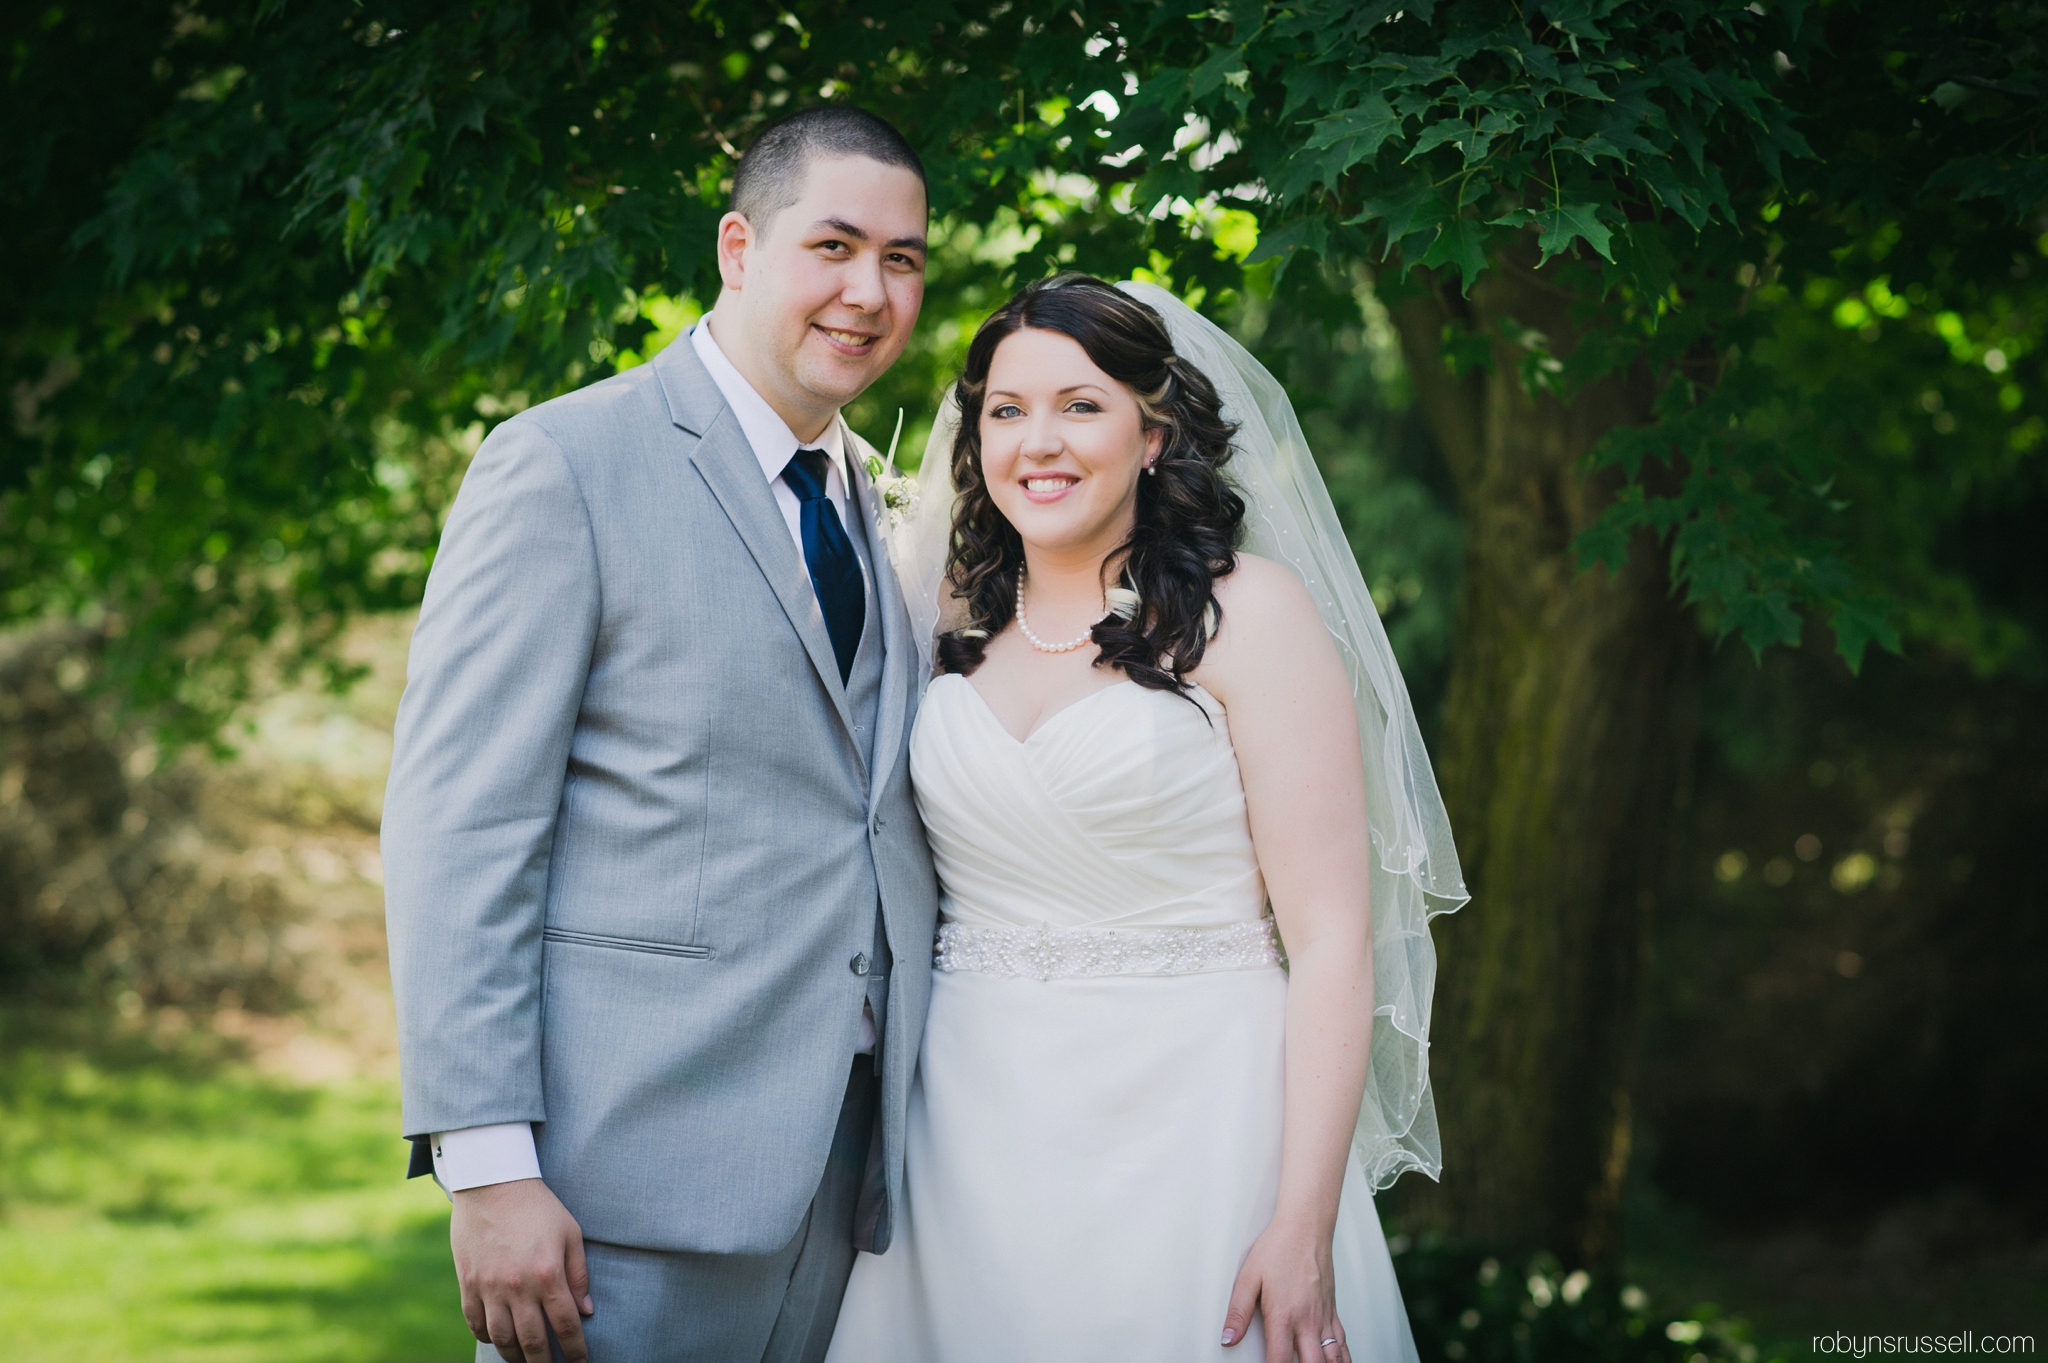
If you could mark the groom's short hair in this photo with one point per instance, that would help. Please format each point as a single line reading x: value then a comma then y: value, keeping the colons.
x: 771, y: 174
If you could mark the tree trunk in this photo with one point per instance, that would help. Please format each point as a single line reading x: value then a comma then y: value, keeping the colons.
x: 1566, y: 714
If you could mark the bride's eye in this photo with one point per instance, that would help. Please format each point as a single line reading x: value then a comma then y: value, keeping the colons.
x: 1083, y: 406
x: 1006, y: 411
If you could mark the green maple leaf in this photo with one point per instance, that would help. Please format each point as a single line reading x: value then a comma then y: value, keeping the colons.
x: 1438, y: 133
x: 1603, y: 542
x: 1461, y: 242
x: 1212, y: 74
x: 1685, y: 199
x: 1312, y: 233
x: 1370, y: 124
x: 1759, y: 618
x: 1859, y: 623
x: 1406, y: 209
x: 1564, y: 223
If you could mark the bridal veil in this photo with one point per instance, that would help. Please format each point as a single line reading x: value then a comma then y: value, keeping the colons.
x: 1289, y: 518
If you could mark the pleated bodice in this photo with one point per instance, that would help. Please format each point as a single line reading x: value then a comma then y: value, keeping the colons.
x: 1123, y: 810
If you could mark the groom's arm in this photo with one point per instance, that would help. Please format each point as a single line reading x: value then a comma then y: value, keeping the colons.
x: 494, y: 684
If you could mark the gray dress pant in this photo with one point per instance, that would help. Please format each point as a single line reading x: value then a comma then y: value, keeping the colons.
x: 656, y: 1307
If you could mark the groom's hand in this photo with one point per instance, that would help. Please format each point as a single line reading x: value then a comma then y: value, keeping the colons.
x: 519, y: 1258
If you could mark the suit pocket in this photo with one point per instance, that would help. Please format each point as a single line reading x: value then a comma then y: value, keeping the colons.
x: 593, y: 939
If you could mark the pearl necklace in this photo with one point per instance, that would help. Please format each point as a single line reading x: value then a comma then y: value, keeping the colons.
x: 1041, y: 645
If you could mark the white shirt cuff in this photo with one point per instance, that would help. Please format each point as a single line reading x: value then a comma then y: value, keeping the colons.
x: 479, y: 1155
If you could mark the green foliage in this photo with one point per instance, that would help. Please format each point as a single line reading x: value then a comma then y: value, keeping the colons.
x: 216, y: 433
x: 277, y: 268
x: 1691, y: 172
x: 1436, y: 132
x: 1471, y: 1306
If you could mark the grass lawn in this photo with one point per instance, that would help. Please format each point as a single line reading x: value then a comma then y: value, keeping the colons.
x: 164, y: 1204
x: 155, y: 1207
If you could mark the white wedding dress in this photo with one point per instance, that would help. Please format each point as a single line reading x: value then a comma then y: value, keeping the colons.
x: 1094, y: 1132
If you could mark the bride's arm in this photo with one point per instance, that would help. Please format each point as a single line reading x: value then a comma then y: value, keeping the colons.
x: 1295, y: 729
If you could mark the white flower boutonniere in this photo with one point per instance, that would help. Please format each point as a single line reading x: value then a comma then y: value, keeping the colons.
x: 899, y: 493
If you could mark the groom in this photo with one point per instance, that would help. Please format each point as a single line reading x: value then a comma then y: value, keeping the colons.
x: 660, y: 907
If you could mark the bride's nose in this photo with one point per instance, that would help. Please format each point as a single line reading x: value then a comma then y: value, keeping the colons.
x: 1041, y: 440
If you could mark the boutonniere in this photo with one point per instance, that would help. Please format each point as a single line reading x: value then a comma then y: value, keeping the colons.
x: 899, y: 493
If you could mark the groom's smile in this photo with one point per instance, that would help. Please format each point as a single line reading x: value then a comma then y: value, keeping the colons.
x: 849, y: 342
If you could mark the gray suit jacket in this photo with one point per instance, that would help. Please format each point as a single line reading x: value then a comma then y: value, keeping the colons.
x: 631, y: 840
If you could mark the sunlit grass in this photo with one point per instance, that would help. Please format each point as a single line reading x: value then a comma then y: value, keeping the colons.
x: 154, y: 1208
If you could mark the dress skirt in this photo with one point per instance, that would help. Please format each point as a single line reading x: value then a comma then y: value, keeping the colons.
x: 1088, y: 1161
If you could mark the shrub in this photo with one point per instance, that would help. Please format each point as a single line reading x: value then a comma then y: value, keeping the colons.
x: 1469, y: 1305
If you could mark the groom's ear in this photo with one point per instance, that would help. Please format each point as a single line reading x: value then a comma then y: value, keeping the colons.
x: 735, y: 235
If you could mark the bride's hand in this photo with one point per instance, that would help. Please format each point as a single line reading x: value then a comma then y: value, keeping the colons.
x: 1287, y: 1278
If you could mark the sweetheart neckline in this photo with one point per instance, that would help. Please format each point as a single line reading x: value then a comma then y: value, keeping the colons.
x: 1043, y: 724
x: 982, y: 703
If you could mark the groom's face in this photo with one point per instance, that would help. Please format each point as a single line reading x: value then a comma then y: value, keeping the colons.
x: 827, y: 295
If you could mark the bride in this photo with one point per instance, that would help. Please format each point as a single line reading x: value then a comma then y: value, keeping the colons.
x: 1142, y: 1128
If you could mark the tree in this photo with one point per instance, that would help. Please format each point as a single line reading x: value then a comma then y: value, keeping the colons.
x: 1606, y: 232
x: 1687, y: 291
x: 278, y: 267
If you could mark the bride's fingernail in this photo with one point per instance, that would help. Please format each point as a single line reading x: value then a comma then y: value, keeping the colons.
x: 1230, y: 1336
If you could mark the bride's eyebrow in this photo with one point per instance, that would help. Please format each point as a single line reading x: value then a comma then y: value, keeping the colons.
x: 1070, y: 388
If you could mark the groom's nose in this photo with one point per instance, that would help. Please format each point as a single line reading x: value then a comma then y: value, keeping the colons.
x: 861, y: 287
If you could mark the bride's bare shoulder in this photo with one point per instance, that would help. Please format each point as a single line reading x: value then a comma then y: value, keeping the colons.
x: 1264, y: 591
x: 1272, y: 647
x: 1271, y: 637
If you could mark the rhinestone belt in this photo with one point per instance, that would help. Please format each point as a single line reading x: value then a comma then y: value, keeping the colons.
x: 1063, y: 953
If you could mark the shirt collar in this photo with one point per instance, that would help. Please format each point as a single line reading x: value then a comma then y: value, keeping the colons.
x: 767, y: 433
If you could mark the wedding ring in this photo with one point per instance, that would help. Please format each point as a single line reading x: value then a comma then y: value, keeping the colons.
x: 1328, y: 1342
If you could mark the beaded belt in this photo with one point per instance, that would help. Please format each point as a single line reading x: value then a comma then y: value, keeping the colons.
x: 1063, y: 953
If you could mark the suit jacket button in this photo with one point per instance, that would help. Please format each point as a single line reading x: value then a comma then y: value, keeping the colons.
x: 859, y: 964
x: 878, y: 823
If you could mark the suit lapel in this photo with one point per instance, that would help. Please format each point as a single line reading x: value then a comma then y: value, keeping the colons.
x: 726, y: 463
x: 898, y: 648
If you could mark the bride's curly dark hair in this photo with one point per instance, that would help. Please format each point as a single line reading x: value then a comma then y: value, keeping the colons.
x: 1189, y: 519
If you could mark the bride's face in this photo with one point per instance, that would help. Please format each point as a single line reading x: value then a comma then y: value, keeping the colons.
x: 1062, y: 444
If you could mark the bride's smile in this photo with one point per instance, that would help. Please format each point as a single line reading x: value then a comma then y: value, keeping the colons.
x: 1050, y: 487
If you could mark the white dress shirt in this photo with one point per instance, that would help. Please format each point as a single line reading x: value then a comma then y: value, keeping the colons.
x: 479, y: 1155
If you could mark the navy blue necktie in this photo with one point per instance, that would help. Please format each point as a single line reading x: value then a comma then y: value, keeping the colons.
x: 828, y: 553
